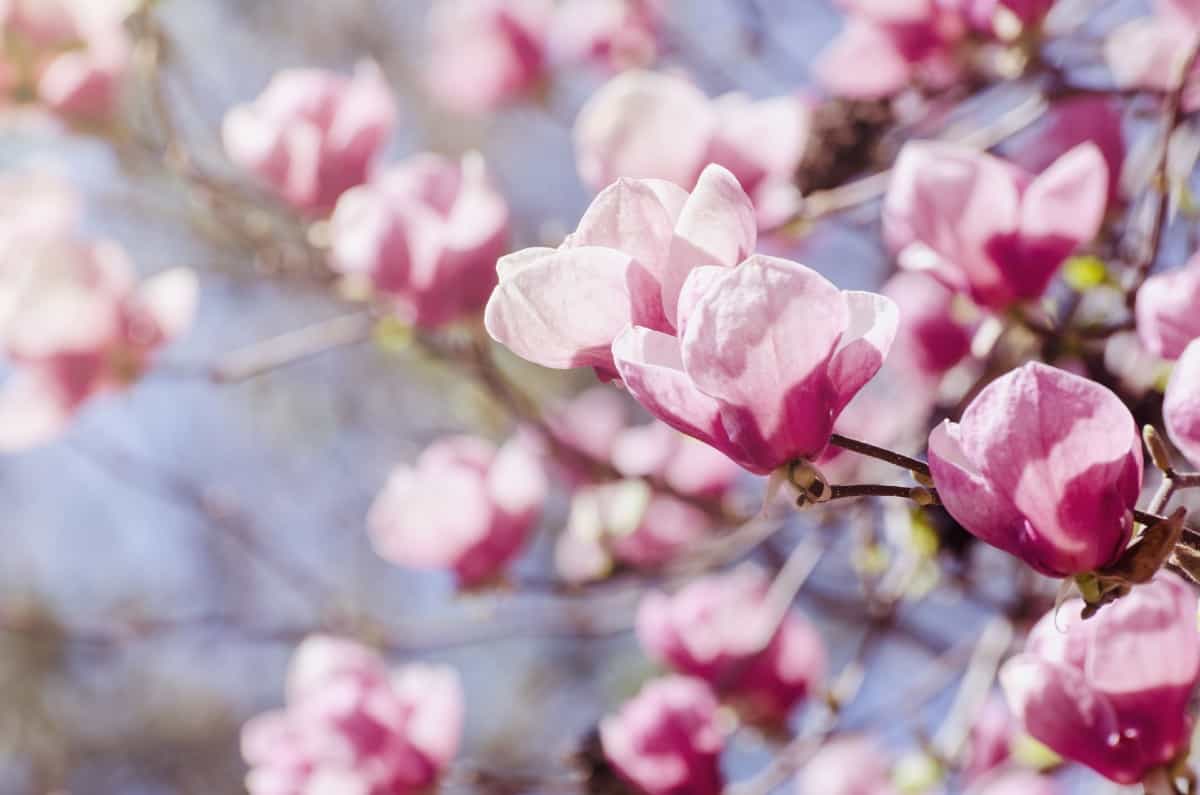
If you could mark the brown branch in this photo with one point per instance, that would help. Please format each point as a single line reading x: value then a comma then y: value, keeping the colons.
x: 292, y: 347
x: 881, y: 453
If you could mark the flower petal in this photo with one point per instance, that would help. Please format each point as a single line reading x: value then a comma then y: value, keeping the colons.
x: 874, y: 320
x: 1181, y: 407
x: 170, y: 298
x: 32, y: 411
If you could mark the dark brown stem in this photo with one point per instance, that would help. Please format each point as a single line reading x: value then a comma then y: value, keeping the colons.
x: 881, y: 453
x: 917, y: 494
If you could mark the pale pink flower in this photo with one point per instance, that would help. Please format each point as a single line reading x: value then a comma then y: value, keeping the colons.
x: 1167, y: 319
x: 1181, y: 406
x: 465, y: 506
x: 1112, y: 692
x: 312, y: 134
x: 1151, y: 52
x: 353, y: 727
x: 615, y: 34
x: 717, y: 629
x: 666, y: 740
x: 989, y: 740
x: 935, y: 332
x: 1015, y: 782
x: 425, y: 235
x: 987, y: 228
x: 686, y: 466
x: 487, y: 53
x: 630, y: 128
x: 853, y: 765
x: 1045, y: 465
x: 1070, y: 122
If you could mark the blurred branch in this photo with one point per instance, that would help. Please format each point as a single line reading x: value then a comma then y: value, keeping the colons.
x: 292, y: 347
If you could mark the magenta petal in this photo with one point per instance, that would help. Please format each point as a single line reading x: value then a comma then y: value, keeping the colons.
x: 874, y: 320
x: 1181, y: 408
x: 563, y: 309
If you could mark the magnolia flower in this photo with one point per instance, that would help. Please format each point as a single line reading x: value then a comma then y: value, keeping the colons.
x: 650, y: 288
x: 630, y: 128
x: 989, y: 742
x: 935, y: 329
x: 465, y: 506
x: 851, y: 765
x: 1151, y: 52
x: 1016, y: 782
x: 1112, y: 692
x: 312, y: 134
x: 77, y: 51
x: 719, y: 629
x: 905, y: 41
x: 1070, y: 122
x: 985, y: 227
x: 616, y: 34
x: 353, y: 727
x: 1045, y: 465
x: 426, y: 234
x: 486, y: 53
x: 1167, y: 319
x: 666, y: 740
x: 1181, y: 406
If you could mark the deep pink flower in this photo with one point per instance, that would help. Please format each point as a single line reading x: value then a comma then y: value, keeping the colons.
x: 1112, y: 692
x: 666, y: 740
x: 987, y: 228
x: 1016, y: 782
x: 486, y: 53
x: 905, y: 41
x: 312, y: 134
x: 847, y: 766
x: 1045, y: 465
x: 1167, y: 319
x: 353, y: 727
x: 935, y: 333
x: 1181, y: 407
x: 714, y: 629
x: 615, y: 34
x: 425, y: 234
x: 465, y: 506
x: 630, y: 128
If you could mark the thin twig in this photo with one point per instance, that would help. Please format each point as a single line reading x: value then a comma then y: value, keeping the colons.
x: 881, y: 453
x: 292, y: 347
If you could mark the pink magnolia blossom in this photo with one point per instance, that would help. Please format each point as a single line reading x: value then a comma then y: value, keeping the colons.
x: 1005, y: 18
x: 650, y: 287
x: 1112, y: 692
x: 989, y: 740
x: 935, y: 332
x: 487, y: 53
x: 717, y: 629
x: 465, y: 506
x: 630, y: 128
x: 312, y: 134
x: 1151, y: 52
x: 1181, y: 406
x: 353, y: 727
x: 666, y: 740
x: 905, y: 41
x: 684, y: 465
x: 1070, y: 122
x: 77, y: 51
x: 1016, y: 782
x: 1167, y: 319
x: 852, y: 765
x: 426, y: 235
x: 1045, y: 465
x: 987, y: 228
x: 616, y: 34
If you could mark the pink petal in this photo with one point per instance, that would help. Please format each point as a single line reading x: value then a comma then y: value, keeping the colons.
x: 170, y: 298
x: 874, y: 320
x: 1181, y: 407
x: 1167, y: 319
x: 839, y: 67
x: 564, y: 309
x: 32, y: 411
x: 1149, y: 53
x: 436, y: 721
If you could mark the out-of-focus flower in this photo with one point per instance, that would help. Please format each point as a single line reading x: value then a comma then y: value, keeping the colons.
x: 647, y: 287
x: 1017, y: 782
x: 630, y: 128
x: 1045, y: 465
x: 487, y: 53
x: 686, y: 466
x: 987, y: 228
x: 905, y: 41
x: 75, y: 53
x: 312, y: 135
x: 615, y: 34
x: 935, y: 329
x: 1167, y: 319
x: 989, y: 740
x: 1151, y: 52
x: 1005, y: 19
x: 353, y: 727
x: 1111, y: 692
x: 1070, y: 122
x: 715, y: 629
x: 847, y: 766
x: 666, y: 740
x: 425, y: 234
x: 465, y: 506
x: 1181, y: 406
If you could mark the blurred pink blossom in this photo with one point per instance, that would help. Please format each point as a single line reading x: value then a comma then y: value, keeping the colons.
x: 716, y: 629
x: 1181, y: 406
x: 987, y: 228
x: 989, y: 740
x: 487, y: 53
x: 465, y: 506
x: 1073, y: 121
x: 1015, y: 782
x: 615, y: 34
x: 851, y: 765
x: 630, y: 128
x: 353, y: 727
x: 666, y: 740
x: 1045, y: 465
x: 1151, y: 52
x: 1112, y: 692
x: 312, y: 134
x: 935, y: 330
x: 425, y: 234
x: 1167, y: 319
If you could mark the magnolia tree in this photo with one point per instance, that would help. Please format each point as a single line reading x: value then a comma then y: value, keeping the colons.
x: 685, y: 408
